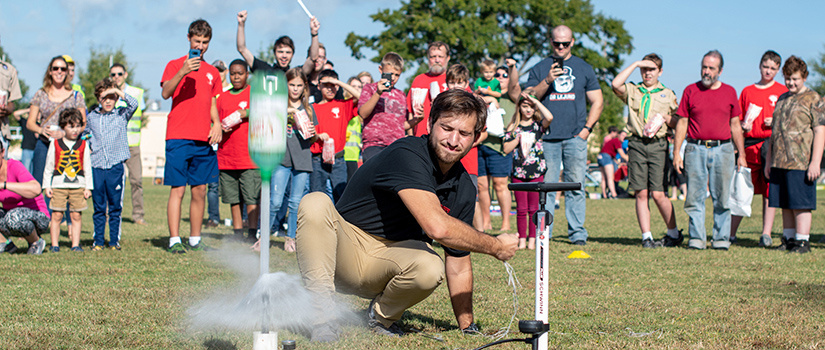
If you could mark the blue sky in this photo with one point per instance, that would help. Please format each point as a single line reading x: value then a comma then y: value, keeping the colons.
x: 153, y: 32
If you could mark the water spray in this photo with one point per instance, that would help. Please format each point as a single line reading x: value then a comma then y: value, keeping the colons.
x: 268, y: 102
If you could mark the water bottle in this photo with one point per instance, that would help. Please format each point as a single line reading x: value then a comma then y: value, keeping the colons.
x: 268, y: 102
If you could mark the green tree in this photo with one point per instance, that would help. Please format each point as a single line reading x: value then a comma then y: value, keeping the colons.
x: 818, y: 66
x: 98, y: 68
x: 498, y: 29
x: 24, y: 89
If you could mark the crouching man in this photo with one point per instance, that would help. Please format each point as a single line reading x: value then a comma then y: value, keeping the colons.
x: 375, y: 243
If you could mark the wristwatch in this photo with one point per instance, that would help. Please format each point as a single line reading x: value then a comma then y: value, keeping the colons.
x: 589, y: 129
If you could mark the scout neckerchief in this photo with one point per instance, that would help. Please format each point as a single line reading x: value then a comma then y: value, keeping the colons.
x: 646, y: 98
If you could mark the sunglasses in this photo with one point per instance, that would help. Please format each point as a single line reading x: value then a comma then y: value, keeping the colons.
x: 562, y: 43
x: 55, y: 69
x: 501, y: 75
x: 118, y: 74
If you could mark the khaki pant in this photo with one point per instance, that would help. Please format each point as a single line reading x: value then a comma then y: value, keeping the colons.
x: 133, y: 164
x: 334, y: 254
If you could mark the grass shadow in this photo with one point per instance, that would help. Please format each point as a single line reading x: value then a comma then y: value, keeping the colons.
x: 219, y: 344
x: 616, y: 240
x: 442, y: 325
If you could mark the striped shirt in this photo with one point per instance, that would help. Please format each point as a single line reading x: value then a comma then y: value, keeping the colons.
x: 108, y: 141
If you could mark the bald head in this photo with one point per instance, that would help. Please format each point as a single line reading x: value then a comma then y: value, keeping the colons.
x: 562, y: 41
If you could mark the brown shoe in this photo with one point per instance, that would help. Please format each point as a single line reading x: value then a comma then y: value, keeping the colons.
x: 140, y: 221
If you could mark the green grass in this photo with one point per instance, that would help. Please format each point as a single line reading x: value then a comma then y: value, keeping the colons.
x: 745, y: 298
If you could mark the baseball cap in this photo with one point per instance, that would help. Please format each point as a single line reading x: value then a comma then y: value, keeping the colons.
x: 219, y: 65
x: 68, y: 59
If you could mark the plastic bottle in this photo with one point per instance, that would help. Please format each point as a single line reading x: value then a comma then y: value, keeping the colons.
x: 268, y: 102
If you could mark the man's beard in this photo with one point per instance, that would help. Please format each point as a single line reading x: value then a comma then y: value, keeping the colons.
x: 707, y: 81
x: 443, y: 156
x: 437, y: 69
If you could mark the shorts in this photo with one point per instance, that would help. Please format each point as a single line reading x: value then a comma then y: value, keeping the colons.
x: 71, y: 196
x: 493, y: 163
x: 790, y: 189
x: 605, y: 159
x: 240, y: 184
x: 753, y: 155
x: 646, y: 164
x: 190, y: 162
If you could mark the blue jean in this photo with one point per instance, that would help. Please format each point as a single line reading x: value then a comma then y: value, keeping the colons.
x: 573, y: 154
x: 298, y: 183
x: 336, y: 174
x: 108, y: 196
x: 213, y: 203
x: 714, y: 164
x: 39, y: 160
x: 26, y: 158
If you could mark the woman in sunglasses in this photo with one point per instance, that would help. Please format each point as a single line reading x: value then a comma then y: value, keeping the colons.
x: 46, y: 105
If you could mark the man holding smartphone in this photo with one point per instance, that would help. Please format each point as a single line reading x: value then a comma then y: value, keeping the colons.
x: 192, y: 128
x: 565, y: 83
x: 383, y: 108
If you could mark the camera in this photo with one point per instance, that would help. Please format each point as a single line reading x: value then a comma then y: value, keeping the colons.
x: 388, y: 78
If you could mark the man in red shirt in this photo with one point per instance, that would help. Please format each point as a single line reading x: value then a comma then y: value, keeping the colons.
x: 191, y: 128
x: 761, y: 97
x: 438, y: 58
x: 710, y: 120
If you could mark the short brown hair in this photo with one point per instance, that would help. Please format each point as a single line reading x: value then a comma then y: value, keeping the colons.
x: 70, y: 116
x: 452, y: 103
x: 653, y: 58
x: 200, y: 27
x: 103, y: 85
x: 488, y: 64
x: 283, y: 41
x: 772, y: 56
x: 793, y: 65
x: 458, y: 73
x: 394, y: 60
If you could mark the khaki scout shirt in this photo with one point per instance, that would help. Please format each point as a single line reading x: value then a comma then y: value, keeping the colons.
x: 793, y: 125
x: 9, y: 84
x: 663, y: 102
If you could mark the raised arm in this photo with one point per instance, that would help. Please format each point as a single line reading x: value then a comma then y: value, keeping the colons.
x: 513, y: 88
x: 449, y: 231
x: 240, y: 40
x: 618, y: 82
x: 314, y: 51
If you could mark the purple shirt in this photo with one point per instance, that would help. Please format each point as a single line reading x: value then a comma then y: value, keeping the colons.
x: 386, y: 122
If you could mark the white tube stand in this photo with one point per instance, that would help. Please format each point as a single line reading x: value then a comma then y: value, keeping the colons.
x: 265, y: 227
x: 543, y: 281
x: 265, y: 341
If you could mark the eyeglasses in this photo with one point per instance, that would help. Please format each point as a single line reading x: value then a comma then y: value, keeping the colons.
x: 118, y: 74
x: 501, y: 75
x: 55, y: 69
x: 561, y: 44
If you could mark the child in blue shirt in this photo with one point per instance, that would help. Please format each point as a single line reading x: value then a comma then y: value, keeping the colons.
x: 109, y: 150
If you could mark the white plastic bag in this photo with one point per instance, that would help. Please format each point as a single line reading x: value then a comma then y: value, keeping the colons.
x: 495, y: 121
x: 741, y: 194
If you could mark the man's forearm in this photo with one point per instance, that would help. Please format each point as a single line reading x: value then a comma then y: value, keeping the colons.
x: 459, y: 271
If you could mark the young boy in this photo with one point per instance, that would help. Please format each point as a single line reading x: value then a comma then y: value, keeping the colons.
x: 67, y: 178
x: 192, y: 126
x: 487, y: 85
x: 384, y: 108
x: 109, y: 150
x: 647, y: 152
x: 333, y: 116
x: 239, y: 176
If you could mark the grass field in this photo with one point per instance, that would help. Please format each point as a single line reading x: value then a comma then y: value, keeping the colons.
x: 623, y: 297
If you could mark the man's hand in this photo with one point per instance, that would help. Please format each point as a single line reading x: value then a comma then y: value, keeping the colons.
x: 555, y: 72
x: 511, y: 63
x: 49, y: 193
x: 677, y: 161
x: 741, y: 162
x: 242, y: 17
x: 215, y: 134
x: 190, y: 65
x: 813, y: 172
x: 384, y: 85
x: 509, y: 243
x: 87, y: 193
x: 323, y: 136
x: 584, y: 134
x: 314, y: 25
x: 646, y: 64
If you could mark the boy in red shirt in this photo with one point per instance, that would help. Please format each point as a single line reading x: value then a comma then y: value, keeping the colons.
x: 239, y: 176
x: 333, y: 116
x: 192, y: 127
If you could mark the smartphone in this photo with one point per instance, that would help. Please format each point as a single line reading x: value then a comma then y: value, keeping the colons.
x: 559, y: 61
x: 388, y: 78
x: 194, y: 53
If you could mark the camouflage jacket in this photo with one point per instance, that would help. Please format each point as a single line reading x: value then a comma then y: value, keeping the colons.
x: 794, y: 119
